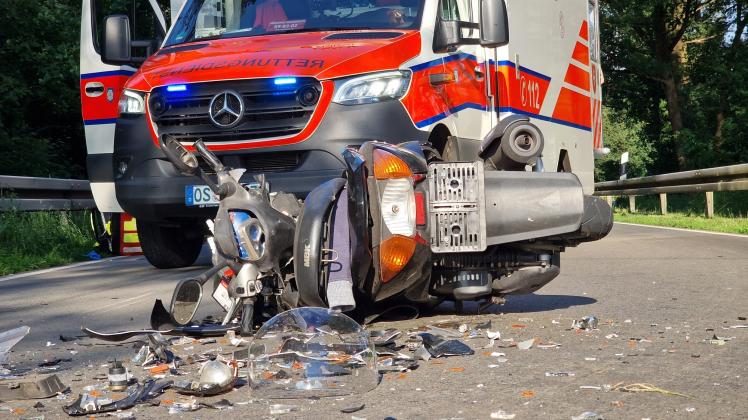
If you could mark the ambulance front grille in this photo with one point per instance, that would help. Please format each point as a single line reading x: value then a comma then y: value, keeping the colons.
x: 457, y: 207
x: 269, y: 111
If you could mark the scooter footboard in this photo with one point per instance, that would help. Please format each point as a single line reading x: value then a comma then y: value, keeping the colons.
x: 471, y: 208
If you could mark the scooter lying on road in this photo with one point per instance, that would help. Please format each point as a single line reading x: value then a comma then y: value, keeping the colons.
x: 425, y: 230
x: 253, y: 237
x: 400, y: 225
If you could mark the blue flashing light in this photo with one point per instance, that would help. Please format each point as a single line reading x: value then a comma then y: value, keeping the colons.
x: 280, y: 81
x: 176, y: 88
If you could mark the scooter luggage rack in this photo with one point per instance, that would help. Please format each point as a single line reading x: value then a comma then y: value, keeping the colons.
x: 457, y: 207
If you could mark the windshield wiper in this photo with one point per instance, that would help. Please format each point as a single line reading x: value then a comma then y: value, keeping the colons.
x: 330, y: 28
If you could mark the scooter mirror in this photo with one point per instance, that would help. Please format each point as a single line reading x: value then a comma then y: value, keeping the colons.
x: 186, y: 299
x: 184, y: 160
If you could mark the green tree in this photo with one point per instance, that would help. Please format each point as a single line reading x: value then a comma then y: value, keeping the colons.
x: 623, y: 133
x: 40, y: 124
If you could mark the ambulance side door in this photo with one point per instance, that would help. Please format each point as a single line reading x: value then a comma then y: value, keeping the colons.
x: 101, y: 83
x: 467, y: 94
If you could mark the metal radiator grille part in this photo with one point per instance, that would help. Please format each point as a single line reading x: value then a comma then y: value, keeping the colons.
x: 457, y: 207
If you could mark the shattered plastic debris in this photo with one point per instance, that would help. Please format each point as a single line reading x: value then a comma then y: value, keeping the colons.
x: 440, y: 348
x: 10, y: 338
x: 548, y: 345
x: 282, y: 409
x: 720, y: 341
x: 586, y: 415
x: 220, y: 405
x: 641, y: 387
x: 502, y: 415
x: 611, y: 336
x: 492, y: 337
x: 352, y: 408
x: 311, y: 352
x: 46, y: 388
x: 422, y: 354
x: 587, y: 323
x: 88, y: 404
x: 526, y: 345
x: 178, y: 407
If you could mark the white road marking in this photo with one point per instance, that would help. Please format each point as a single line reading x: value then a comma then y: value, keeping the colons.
x: 53, y: 269
x: 708, y: 232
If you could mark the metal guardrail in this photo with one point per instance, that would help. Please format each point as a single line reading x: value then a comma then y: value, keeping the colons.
x: 723, y: 178
x: 21, y: 193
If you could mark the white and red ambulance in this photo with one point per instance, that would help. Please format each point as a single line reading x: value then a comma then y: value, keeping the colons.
x: 281, y: 87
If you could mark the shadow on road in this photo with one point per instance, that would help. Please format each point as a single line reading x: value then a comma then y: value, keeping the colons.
x: 519, y: 304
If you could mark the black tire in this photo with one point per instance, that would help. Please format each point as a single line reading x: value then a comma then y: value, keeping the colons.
x: 170, y: 246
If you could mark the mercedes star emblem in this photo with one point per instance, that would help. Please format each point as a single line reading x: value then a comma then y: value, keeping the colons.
x: 226, y: 109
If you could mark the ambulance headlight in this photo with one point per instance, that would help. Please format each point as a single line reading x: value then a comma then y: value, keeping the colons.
x: 131, y: 102
x: 372, y: 88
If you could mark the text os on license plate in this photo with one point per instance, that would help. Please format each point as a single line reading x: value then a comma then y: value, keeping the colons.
x: 199, y: 195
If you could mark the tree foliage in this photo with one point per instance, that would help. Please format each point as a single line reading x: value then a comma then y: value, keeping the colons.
x: 679, y: 67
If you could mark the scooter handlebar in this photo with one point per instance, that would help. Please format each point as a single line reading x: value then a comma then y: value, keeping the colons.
x: 208, y: 156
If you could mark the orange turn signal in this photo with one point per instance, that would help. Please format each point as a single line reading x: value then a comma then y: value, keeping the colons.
x: 389, y: 166
x: 394, y: 254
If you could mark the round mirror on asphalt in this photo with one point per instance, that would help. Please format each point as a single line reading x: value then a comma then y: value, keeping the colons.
x: 185, y: 301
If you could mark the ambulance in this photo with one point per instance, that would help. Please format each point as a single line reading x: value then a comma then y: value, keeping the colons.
x: 282, y: 87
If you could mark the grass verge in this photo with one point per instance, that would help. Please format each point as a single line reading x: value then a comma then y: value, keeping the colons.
x: 687, y: 221
x: 31, y: 241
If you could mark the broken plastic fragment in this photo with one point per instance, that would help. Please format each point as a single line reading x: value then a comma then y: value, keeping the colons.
x: 282, y: 408
x: 352, y: 408
x: 439, y: 347
x: 87, y: 404
x: 46, y: 388
x: 559, y: 374
x: 526, y: 345
x: 311, y: 352
x: 587, y: 323
x: 585, y: 415
x: 10, y: 338
x: 503, y: 415
x: 422, y: 354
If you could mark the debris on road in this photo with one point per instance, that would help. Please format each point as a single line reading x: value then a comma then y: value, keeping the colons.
x: 439, y: 347
x: 311, y: 352
x: 502, y: 415
x: 45, y: 388
x: 585, y: 324
x: 214, y: 378
x: 643, y: 387
x: 559, y: 374
x: 526, y: 345
x: 352, y: 408
x: 117, y: 376
x: 10, y: 338
x: 140, y: 393
x: 282, y: 409
x: 586, y: 415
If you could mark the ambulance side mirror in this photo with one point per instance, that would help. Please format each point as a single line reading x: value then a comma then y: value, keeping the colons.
x: 494, y: 23
x: 117, y: 41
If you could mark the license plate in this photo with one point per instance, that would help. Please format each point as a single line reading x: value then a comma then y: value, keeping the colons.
x: 199, y: 195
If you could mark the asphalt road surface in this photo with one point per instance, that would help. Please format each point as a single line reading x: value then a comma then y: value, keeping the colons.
x: 660, y: 295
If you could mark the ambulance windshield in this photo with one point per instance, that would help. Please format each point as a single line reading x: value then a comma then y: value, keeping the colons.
x: 212, y: 19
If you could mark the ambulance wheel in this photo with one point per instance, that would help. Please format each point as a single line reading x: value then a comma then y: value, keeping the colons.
x: 169, y: 246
